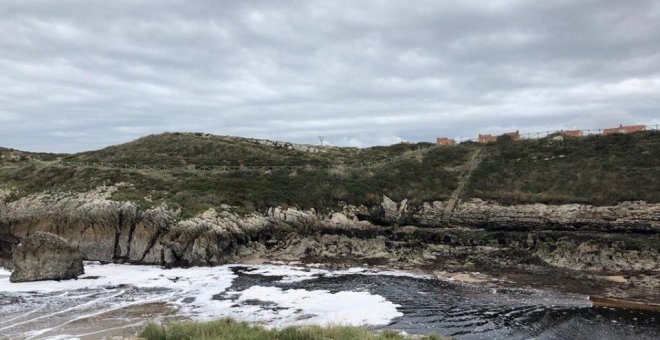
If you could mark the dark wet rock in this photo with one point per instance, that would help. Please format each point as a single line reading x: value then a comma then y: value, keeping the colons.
x: 91, y: 277
x: 45, y: 256
x: 5, y: 263
x: 7, y: 242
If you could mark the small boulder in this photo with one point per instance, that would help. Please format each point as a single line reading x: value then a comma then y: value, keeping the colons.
x: 391, y: 212
x: 45, y: 256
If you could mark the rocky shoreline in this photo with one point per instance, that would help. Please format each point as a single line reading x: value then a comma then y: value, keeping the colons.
x: 568, y: 247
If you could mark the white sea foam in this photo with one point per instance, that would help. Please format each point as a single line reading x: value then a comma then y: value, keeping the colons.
x: 378, y: 272
x: 195, y: 292
x: 298, y: 273
x: 300, y: 306
x: 98, y: 275
x: 288, y: 273
x: 62, y: 337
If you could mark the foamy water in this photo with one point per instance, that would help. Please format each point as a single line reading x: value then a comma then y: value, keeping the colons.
x: 48, y: 308
x: 117, y: 299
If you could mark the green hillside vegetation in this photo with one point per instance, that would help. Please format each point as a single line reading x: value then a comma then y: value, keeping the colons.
x: 597, y: 170
x: 321, y: 189
x: 227, y: 329
x: 210, y: 150
x: 420, y: 172
x: 11, y: 156
x: 198, y: 148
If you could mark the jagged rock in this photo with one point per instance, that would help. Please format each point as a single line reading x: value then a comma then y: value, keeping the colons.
x: 598, y: 255
x: 214, y: 237
x: 389, y: 212
x: 476, y: 235
x: 90, y: 221
x: 143, y: 244
x: 299, y: 219
x: 431, y: 214
x: 45, y: 256
x: 626, y: 216
x: 128, y: 217
x: 119, y: 231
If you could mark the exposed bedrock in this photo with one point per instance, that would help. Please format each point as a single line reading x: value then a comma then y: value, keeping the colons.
x: 45, y: 256
x: 624, y: 217
x: 615, y: 238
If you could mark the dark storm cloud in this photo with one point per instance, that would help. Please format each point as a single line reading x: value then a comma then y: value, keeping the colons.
x: 77, y: 75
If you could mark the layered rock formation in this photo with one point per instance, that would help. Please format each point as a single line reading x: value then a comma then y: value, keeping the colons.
x: 616, y: 238
x: 45, y: 256
x: 638, y: 217
x: 475, y: 236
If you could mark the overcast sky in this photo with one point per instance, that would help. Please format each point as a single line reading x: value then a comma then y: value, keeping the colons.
x: 79, y: 75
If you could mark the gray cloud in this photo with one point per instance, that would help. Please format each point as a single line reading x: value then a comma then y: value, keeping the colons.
x: 79, y: 75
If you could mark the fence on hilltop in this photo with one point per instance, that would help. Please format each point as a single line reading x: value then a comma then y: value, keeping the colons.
x: 584, y: 133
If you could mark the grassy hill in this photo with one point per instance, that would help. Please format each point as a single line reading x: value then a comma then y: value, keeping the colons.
x: 198, y: 148
x: 597, y: 170
x: 11, y: 156
x: 206, y: 149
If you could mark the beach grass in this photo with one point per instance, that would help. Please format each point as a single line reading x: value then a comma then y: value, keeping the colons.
x: 228, y: 329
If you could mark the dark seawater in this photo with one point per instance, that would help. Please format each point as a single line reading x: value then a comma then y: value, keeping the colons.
x: 467, y: 311
x: 112, y: 301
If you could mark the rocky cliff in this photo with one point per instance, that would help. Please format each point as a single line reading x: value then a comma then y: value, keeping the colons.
x: 477, y: 235
x: 107, y: 230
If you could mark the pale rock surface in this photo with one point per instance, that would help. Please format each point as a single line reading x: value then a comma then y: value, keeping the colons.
x: 106, y: 230
x: 45, y: 256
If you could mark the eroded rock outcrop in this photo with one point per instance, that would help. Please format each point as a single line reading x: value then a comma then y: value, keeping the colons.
x: 618, y: 237
x: 45, y: 256
x: 389, y: 212
x: 90, y: 221
x: 599, y: 255
x: 637, y: 217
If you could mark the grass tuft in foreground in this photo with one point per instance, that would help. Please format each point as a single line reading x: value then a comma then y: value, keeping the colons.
x: 230, y: 329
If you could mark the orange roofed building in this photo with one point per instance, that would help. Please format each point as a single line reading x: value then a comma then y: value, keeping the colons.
x: 445, y: 141
x: 624, y: 129
x: 491, y: 139
x: 513, y: 135
x: 487, y: 139
x: 571, y: 133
